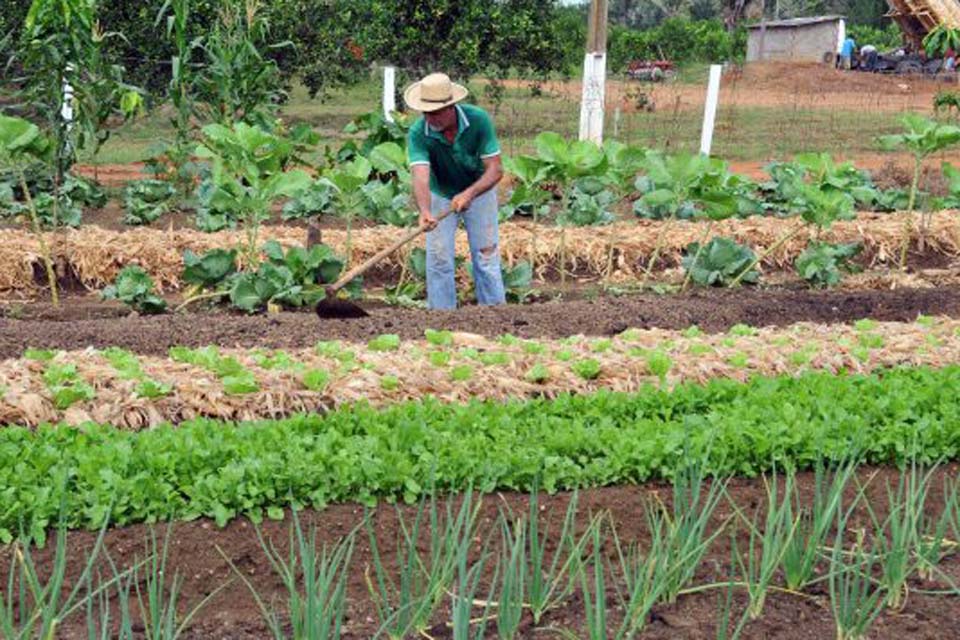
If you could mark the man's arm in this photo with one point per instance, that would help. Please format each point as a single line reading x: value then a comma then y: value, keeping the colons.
x: 421, y: 194
x: 492, y: 174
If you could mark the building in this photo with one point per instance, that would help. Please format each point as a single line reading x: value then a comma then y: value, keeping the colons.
x: 796, y: 40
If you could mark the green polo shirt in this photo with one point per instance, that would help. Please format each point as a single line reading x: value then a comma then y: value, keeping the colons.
x: 454, y: 167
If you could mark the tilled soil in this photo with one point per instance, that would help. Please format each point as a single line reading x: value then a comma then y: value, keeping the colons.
x: 197, y: 551
x: 82, y: 323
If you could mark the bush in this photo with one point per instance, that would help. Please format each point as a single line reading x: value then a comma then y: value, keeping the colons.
x: 678, y: 39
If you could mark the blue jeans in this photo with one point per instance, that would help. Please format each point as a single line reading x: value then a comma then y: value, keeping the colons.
x: 483, y: 235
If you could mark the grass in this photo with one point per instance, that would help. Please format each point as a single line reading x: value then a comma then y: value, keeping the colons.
x: 742, y: 133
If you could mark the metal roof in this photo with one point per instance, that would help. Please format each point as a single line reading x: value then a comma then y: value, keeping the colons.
x: 795, y: 22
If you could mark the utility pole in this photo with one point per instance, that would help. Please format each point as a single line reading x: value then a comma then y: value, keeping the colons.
x: 594, y: 74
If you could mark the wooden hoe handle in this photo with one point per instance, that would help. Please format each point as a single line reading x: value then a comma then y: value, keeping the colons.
x: 367, y: 264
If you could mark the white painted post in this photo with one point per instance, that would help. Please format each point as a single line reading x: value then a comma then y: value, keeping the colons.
x: 389, y: 92
x: 592, y: 100
x: 710, y: 111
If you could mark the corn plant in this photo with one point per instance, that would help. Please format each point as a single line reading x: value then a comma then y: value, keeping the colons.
x: 238, y: 82
x: 315, y: 580
x: 922, y: 138
x: 181, y: 89
x: 62, y: 43
x: 854, y: 598
x: 812, y: 525
x: 406, y: 605
x: 767, y: 549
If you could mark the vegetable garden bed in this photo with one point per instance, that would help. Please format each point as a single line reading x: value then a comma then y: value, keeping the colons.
x: 120, y: 388
x: 618, y: 252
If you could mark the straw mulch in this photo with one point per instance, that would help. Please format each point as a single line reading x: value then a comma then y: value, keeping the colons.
x: 625, y: 363
x: 619, y: 252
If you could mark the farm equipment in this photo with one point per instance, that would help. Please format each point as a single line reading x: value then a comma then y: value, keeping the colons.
x: 651, y: 70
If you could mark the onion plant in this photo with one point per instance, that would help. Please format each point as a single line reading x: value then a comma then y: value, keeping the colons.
x: 314, y: 578
x: 405, y: 605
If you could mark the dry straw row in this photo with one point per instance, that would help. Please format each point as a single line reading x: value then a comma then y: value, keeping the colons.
x: 624, y: 362
x: 620, y: 251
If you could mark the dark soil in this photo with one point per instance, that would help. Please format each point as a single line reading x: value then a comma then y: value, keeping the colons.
x: 85, y: 322
x: 195, y: 553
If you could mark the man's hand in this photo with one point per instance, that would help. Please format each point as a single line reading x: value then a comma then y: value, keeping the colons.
x: 427, y: 220
x: 461, y: 201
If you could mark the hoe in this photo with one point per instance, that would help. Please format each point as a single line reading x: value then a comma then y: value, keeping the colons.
x: 332, y: 307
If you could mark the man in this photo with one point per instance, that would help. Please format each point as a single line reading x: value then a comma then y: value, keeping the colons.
x: 846, y: 53
x: 868, y: 57
x: 455, y: 163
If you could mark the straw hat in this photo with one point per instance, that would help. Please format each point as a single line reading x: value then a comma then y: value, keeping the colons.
x: 434, y: 93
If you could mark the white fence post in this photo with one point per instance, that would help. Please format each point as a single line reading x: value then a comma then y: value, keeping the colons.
x: 710, y: 111
x: 592, y: 100
x: 389, y: 92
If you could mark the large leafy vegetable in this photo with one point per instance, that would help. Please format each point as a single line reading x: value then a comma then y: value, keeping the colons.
x: 719, y: 262
x: 134, y: 288
x: 821, y: 264
x: 146, y: 200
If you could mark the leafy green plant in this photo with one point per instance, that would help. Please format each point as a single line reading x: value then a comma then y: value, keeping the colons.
x: 144, y: 201
x: 821, y: 264
x: 236, y: 379
x: 828, y: 416
x: 721, y: 262
x: 588, y: 369
x: 385, y: 342
x: 65, y: 386
x: 292, y: 278
x: 348, y: 181
x: 134, y: 288
x: 210, y: 269
x: 316, y: 200
x: 250, y: 171
x: 315, y: 379
x: 941, y: 39
x: 922, y: 138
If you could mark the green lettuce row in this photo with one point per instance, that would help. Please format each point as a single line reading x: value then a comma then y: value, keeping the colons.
x: 221, y: 470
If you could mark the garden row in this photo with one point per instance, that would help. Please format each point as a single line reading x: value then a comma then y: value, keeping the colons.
x: 217, y: 469
x: 619, y: 253
x: 850, y: 551
x: 123, y: 389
